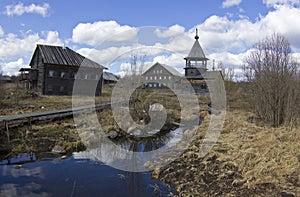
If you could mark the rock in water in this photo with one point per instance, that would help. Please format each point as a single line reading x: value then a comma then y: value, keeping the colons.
x: 58, y: 149
x: 112, y: 134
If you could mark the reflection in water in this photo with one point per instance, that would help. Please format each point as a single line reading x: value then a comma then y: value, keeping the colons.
x: 83, y: 174
x: 74, y: 176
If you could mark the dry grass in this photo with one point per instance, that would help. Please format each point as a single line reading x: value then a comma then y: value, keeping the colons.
x: 17, y: 103
x: 249, y: 159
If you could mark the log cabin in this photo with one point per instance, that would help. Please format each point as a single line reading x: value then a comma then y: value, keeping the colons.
x: 54, y: 69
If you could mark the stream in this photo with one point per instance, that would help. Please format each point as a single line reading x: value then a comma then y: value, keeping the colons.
x: 81, y: 174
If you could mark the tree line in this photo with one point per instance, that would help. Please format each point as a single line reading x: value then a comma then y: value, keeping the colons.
x: 273, y: 75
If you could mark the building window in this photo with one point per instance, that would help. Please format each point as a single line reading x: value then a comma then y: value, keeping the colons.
x: 51, y: 73
x: 61, y: 88
x: 86, y: 76
x: 62, y: 74
x: 50, y: 88
x: 154, y: 71
x: 150, y: 77
x: 159, y: 85
x: 169, y: 77
x: 146, y: 78
x: 165, y: 77
x: 150, y: 85
x: 159, y: 77
x: 75, y: 75
x: 160, y: 71
x: 155, y: 77
x: 154, y: 85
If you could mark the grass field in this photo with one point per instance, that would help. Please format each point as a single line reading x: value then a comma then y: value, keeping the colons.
x: 249, y: 158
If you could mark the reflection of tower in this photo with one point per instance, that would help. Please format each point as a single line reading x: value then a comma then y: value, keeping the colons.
x: 196, y: 66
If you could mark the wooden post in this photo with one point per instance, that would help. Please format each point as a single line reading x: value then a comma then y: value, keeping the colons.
x: 29, y: 123
x: 7, y: 131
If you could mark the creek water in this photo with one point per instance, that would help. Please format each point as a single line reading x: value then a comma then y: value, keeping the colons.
x: 81, y: 174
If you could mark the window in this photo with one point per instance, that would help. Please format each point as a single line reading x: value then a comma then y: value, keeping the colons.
x: 146, y: 78
x: 159, y: 77
x: 62, y: 74
x: 51, y: 73
x: 150, y: 85
x: 151, y: 78
x: 155, y: 77
x: 50, y: 88
x: 86, y: 76
x: 169, y: 77
x: 154, y: 71
x: 165, y: 77
x: 159, y: 85
x: 61, y: 88
x: 75, y: 75
x: 160, y: 71
x: 154, y: 85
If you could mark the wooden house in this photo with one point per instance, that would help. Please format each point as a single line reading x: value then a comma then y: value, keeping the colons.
x: 161, y: 75
x: 109, y: 78
x: 55, y: 68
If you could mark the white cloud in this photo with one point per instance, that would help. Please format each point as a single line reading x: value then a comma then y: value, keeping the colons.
x: 174, y: 60
x: 96, y: 33
x: 1, y: 31
x: 170, y: 32
x: 230, y: 3
x: 20, y: 9
x: 219, y: 34
x: 105, y: 56
x: 13, y: 67
x: 15, y: 50
x: 275, y: 3
x: 13, y: 46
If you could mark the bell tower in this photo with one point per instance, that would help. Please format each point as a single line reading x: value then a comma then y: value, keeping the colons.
x: 196, y: 62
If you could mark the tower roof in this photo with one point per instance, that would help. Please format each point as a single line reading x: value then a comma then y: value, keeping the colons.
x: 196, y: 52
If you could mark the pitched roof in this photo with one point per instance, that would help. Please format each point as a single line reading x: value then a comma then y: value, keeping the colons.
x: 196, y: 52
x: 64, y: 56
x: 170, y: 69
x: 109, y: 76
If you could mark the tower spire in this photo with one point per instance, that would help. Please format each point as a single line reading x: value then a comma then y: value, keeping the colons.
x: 196, y: 37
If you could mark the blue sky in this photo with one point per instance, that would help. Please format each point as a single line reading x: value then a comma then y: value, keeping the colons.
x: 227, y: 28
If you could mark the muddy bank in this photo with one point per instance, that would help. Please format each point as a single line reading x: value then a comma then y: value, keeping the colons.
x: 247, y: 160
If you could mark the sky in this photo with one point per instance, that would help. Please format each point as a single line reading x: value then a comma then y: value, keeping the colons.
x: 111, y: 32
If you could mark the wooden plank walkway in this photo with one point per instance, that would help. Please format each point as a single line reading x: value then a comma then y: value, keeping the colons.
x: 33, y: 116
x: 7, y: 120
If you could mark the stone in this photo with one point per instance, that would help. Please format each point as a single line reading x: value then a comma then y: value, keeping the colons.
x: 58, y: 149
x: 112, y: 134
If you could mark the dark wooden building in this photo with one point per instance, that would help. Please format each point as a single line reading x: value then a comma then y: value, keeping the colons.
x: 109, y: 78
x: 55, y: 68
x: 196, y: 68
x: 161, y: 75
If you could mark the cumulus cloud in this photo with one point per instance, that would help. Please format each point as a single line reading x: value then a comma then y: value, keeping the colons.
x: 170, y: 32
x: 13, y: 67
x: 219, y: 34
x: 105, y: 56
x: 14, y: 50
x: 20, y: 9
x: 12, y: 46
x: 275, y: 3
x: 230, y: 3
x: 1, y: 31
x: 109, y: 31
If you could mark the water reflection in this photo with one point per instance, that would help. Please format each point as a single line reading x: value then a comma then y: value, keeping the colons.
x: 75, y: 176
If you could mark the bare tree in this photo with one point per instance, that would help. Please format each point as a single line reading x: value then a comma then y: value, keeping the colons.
x: 272, y: 72
x: 228, y: 73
